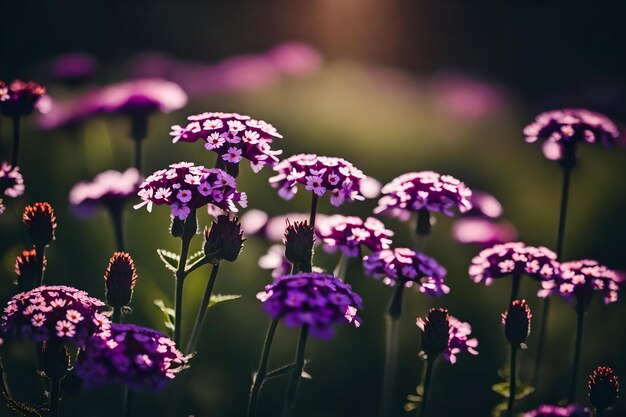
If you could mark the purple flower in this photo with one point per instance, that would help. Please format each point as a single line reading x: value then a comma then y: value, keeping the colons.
x: 295, y: 58
x: 73, y: 67
x: 407, y: 267
x: 583, y: 278
x: 140, y: 97
x: 11, y: 181
x: 458, y: 339
x: 466, y: 98
x: 21, y: 98
x: 110, y: 188
x: 273, y: 228
x: 482, y: 231
x: 319, y: 174
x: 275, y: 260
x: 187, y: 187
x: 484, y: 205
x: 57, y: 313
x: 349, y: 234
x: 312, y: 299
x: 232, y: 136
x: 142, y: 358
x: 428, y: 190
x: 548, y: 410
x: 513, y: 258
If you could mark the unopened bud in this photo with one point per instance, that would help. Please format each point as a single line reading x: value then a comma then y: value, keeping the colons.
x: 517, y: 322
x: 603, y: 387
x: 177, y: 227
x: 299, y: 239
x: 224, y: 239
x: 435, y: 332
x: 41, y: 223
x: 26, y: 270
x: 120, y: 278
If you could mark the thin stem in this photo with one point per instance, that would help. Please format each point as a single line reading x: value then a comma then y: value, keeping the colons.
x: 512, y: 381
x: 16, y: 140
x: 55, y: 385
x: 117, y: 315
x: 197, y: 327
x: 39, y: 260
x: 600, y: 412
x: 313, y: 210
x: 517, y: 279
x: 580, y: 312
x: 560, y: 237
x: 262, y: 371
x: 296, y: 374
x: 118, y: 226
x: 138, y: 154
x: 426, y: 384
x: 189, y: 231
x: 342, y: 267
x: 127, y: 401
x: 391, y: 350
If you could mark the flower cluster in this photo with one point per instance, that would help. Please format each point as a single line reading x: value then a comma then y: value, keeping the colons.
x: 20, y: 98
x: 11, y: 181
x: 139, y: 97
x: 275, y: 260
x: 142, y: 358
x: 109, y: 188
x: 257, y: 222
x: 457, y: 339
x: 407, y: 267
x: 428, y: 190
x: 319, y: 174
x: 232, y: 136
x: 54, y: 313
x: 548, y: 410
x: 312, y: 299
x: 350, y: 234
x: 513, y: 258
x: 73, y: 68
x: 186, y: 187
x: 583, y: 278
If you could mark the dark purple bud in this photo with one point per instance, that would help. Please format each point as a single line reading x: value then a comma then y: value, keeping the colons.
x: 177, y: 227
x: 26, y: 270
x: 41, y: 223
x: 120, y: 279
x: 299, y: 238
x: 224, y: 239
x: 517, y: 322
x: 603, y: 387
x: 435, y: 332
x: 20, y: 98
x: 56, y: 360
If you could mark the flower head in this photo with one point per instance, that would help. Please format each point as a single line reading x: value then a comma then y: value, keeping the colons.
x: 312, y: 299
x: 73, y: 68
x: 407, y: 267
x: 513, y: 258
x: 350, y: 234
x: 120, y: 278
x: 516, y: 321
x: 482, y: 231
x: 11, y: 181
x: 583, y: 278
x: 26, y: 270
x: 20, y: 98
x: 428, y: 190
x: 232, y: 136
x: 603, y: 387
x: 110, y: 189
x: 185, y: 187
x: 142, y: 358
x: 299, y: 239
x: 224, y: 239
x: 319, y: 174
x: 484, y: 205
x: 139, y: 97
x: 57, y: 313
x: 273, y: 228
x: 443, y: 333
x: 275, y: 260
x: 41, y: 223
x: 548, y: 410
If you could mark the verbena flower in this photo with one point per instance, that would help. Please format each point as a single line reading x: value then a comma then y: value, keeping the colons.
x: 319, y: 174
x: 21, y: 98
x: 583, y: 278
x: 11, y: 181
x: 73, y: 68
x: 513, y: 258
x: 140, y: 96
x: 142, y: 358
x: 2, y: 208
x: 350, y: 234
x: 443, y: 333
x: 55, y: 313
x: 185, y: 187
x: 482, y: 231
x: 516, y: 321
x: 566, y: 127
x: 273, y: 228
x: 41, y: 223
x: 548, y: 410
x: 232, y: 136
x: 428, y: 190
x: 603, y: 387
x: 26, y: 269
x: 484, y: 205
x: 312, y: 299
x: 275, y: 260
x: 407, y: 267
x: 120, y: 278
x: 109, y: 188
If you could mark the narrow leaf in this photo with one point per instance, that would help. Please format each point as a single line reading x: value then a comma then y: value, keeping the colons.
x: 169, y: 313
x: 220, y: 298
x: 169, y: 259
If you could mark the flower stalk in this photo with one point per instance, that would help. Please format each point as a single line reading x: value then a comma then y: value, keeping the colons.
x: 296, y: 374
x: 391, y: 349
x: 16, y: 140
x: 512, y: 381
x: 189, y: 231
x: 426, y: 384
x: 197, y: 327
x: 259, y: 379
x: 580, y: 316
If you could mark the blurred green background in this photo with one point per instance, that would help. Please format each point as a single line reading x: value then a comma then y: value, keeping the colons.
x: 402, y: 86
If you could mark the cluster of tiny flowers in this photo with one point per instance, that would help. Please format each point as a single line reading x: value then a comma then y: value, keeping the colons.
x: 350, y: 234
x: 11, y: 181
x: 110, y: 188
x: 275, y: 260
x: 20, y: 98
x: 583, y: 278
x: 513, y: 258
x: 407, y: 267
x: 142, y: 358
x: 140, y: 96
x: 428, y: 190
x: 54, y: 313
x: 312, y: 299
x: 319, y: 174
x: 187, y: 187
x: 548, y: 410
x: 459, y: 340
x: 232, y: 136
x: 257, y: 222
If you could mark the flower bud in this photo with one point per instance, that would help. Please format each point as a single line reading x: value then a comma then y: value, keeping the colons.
x: 56, y: 360
x: 224, y: 239
x: 41, y: 223
x: 177, y: 227
x: 517, y: 322
x: 20, y: 98
x: 26, y: 270
x: 435, y: 332
x: 299, y: 238
x: 120, y: 278
x: 603, y: 387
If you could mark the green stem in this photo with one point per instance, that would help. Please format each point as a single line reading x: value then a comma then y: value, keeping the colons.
x: 313, y: 210
x: 342, y: 267
x: 197, y: 327
x: 127, y: 401
x: 54, y: 405
x: 292, y: 388
x: 580, y: 313
x: 117, y: 315
x: 39, y: 260
x: 512, y: 381
x: 189, y: 232
x: 262, y: 371
x: 426, y: 384
x: 391, y: 350
x: 117, y: 219
x: 517, y: 279
x: 16, y: 140
x: 138, y: 154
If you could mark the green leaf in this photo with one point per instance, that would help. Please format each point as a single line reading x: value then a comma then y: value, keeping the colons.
x: 499, y: 409
x: 195, y: 257
x: 169, y: 259
x: 169, y: 313
x: 521, y: 390
x: 220, y: 298
x: 283, y: 370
